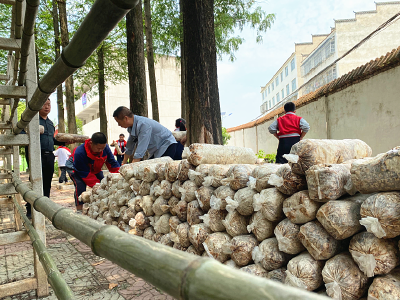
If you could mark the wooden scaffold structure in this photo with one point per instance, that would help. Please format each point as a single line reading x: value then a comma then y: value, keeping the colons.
x: 180, y: 274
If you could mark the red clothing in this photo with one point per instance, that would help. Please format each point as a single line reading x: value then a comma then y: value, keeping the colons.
x: 121, y: 145
x: 288, y: 124
x: 87, y: 164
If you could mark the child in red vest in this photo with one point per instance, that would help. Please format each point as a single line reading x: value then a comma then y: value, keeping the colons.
x: 289, y: 130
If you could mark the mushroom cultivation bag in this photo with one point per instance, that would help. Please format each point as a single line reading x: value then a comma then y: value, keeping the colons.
x: 311, y: 152
x: 341, y: 218
x: 286, y: 234
x: 329, y: 182
x: 317, y: 241
x: 240, y: 249
x: 377, y: 174
x: 217, y: 154
x: 238, y: 176
x: 343, y: 279
x: 260, y: 226
x: 268, y: 255
x: 299, y: 208
x: 304, y: 272
x: 183, y: 170
x: 199, y: 174
x: 260, y: 176
x: 213, y: 246
x: 215, y: 174
x: 235, y: 224
x: 385, y: 287
x: 372, y: 255
x: 380, y: 214
x: 286, y: 181
x: 218, y: 200
x: 198, y: 234
x: 214, y: 218
x: 255, y: 270
x: 270, y: 203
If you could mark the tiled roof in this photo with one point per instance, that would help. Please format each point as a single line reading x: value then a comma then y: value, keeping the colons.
x: 374, y: 67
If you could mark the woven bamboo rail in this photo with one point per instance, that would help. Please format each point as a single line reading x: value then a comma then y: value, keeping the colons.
x: 180, y: 274
x: 101, y: 19
x: 57, y: 282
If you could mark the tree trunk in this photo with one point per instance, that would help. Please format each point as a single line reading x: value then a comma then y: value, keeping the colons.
x: 102, y: 91
x: 150, y: 60
x: 136, y: 66
x: 183, y: 69
x: 57, y: 46
x: 69, y: 82
x: 203, y: 112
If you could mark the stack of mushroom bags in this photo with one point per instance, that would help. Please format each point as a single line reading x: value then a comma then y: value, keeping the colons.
x: 328, y: 221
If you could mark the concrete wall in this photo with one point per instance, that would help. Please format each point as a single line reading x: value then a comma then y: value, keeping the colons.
x: 367, y: 110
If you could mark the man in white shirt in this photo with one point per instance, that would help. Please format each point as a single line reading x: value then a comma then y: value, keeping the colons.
x: 62, y: 153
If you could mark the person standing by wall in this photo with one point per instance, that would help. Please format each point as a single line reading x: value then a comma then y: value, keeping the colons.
x: 122, y: 145
x: 88, y: 159
x: 289, y: 130
x: 149, y: 135
x: 180, y: 125
x: 62, y: 153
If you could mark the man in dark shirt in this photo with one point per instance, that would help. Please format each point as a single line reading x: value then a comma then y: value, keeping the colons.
x: 47, y: 142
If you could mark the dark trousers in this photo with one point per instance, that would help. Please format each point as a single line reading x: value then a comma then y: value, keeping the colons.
x: 47, y: 175
x: 80, y: 185
x: 120, y: 158
x: 171, y: 150
x: 63, y: 176
x: 179, y: 151
x: 284, y: 146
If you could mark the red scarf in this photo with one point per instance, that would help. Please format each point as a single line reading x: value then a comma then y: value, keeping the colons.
x: 97, y: 158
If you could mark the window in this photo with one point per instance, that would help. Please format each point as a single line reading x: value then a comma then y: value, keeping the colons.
x: 286, y: 71
x: 273, y: 100
x: 270, y: 104
x: 277, y: 80
x: 287, y: 90
x: 262, y: 95
x: 98, y: 115
x: 292, y: 65
x: 278, y: 98
x: 293, y: 85
x: 272, y: 86
x: 269, y: 91
x: 283, y: 94
x: 92, y: 117
x: 281, y: 76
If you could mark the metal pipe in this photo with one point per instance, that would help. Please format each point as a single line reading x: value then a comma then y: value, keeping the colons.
x: 57, y: 282
x: 180, y: 274
x: 101, y: 19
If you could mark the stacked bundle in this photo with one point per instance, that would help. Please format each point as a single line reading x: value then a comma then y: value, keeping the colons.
x: 298, y: 223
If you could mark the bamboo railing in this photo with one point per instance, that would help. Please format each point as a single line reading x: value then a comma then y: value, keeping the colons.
x: 180, y: 274
x: 57, y: 282
x: 101, y: 19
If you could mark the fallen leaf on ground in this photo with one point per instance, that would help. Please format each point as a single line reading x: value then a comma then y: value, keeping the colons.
x: 112, y: 285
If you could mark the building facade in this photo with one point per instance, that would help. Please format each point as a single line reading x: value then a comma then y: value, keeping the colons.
x: 168, y: 78
x: 314, y: 62
x: 320, y: 68
x: 284, y: 84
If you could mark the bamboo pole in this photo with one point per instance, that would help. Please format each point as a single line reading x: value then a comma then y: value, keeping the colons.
x: 180, y: 274
x: 57, y: 282
x: 27, y: 33
x: 101, y: 19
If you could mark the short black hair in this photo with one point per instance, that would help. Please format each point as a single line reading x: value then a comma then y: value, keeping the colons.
x: 122, y: 112
x: 122, y: 134
x: 99, y: 138
x: 289, y: 106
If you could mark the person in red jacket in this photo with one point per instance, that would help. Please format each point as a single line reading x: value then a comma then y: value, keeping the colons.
x: 88, y: 159
x: 289, y: 130
x: 122, y: 145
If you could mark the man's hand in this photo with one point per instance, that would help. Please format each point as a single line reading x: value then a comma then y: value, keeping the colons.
x: 276, y: 135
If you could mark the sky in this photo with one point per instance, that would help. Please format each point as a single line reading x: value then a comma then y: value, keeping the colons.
x: 240, y: 81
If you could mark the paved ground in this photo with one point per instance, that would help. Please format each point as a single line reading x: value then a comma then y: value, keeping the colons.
x: 89, y: 276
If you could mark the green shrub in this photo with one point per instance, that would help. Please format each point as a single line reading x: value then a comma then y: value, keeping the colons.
x: 270, y: 158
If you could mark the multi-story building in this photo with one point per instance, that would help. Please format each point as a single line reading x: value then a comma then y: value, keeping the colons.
x: 283, y: 85
x: 168, y: 93
x: 319, y: 68
x: 314, y: 62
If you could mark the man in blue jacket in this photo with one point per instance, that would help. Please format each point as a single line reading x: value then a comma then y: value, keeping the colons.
x: 89, y: 158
